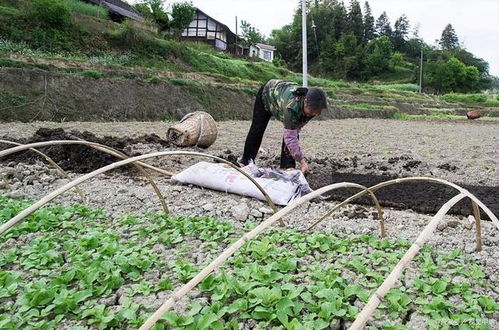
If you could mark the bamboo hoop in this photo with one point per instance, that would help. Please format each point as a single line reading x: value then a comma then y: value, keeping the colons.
x: 101, y: 170
x: 97, y: 146
x: 389, y: 282
x: 478, y: 224
x: 51, y: 162
x: 5, y: 181
x: 346, y: 201
x: 234, y: 247
x: 415, y: 179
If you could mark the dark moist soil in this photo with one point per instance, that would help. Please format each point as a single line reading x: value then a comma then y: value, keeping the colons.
x: 78, y: 158
x: 424, y: 197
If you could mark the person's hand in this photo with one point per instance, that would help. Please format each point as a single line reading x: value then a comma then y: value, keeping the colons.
x: 304, y: 166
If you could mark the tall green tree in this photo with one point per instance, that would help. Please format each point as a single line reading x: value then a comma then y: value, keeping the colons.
x: 378, y: 54
x: 368, y: 23
x: 182, y: 15
x: 400, y: 32
x: 355, y: 25
x: 339, y: 18
x: 348, y: 64
x: 382, y: 26
x: 448, y: 39
x: 285, y: 42
x: 154, y: 9
x: 250, y: 34
x: 452, y: 75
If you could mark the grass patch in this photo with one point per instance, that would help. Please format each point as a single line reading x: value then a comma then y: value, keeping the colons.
x: 182, y: 82
x: 367, y: 106
x: 471, y: 99
x: 12, y: 99
x: 92, y: 74
x: 83, y: 8
x: 432, y: 116
x: 153, y: 80
x: 396, y: 87
x: 8, y: 63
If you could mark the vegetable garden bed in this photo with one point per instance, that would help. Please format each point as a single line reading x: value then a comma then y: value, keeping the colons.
x: 75, y: 267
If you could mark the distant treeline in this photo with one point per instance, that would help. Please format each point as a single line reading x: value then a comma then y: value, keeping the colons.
x: 349, y: 43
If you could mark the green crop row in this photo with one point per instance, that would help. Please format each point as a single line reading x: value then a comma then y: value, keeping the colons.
x: 74, y: 267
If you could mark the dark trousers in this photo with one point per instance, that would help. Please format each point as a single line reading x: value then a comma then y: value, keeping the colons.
x: 254, y: 139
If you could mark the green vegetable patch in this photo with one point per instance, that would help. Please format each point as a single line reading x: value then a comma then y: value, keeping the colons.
x: 74, y: 267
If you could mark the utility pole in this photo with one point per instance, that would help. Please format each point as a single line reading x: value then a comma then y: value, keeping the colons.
x: 304, y: 39
x: 237, y: 50
x: 421, y: 71
x: 315, y: 36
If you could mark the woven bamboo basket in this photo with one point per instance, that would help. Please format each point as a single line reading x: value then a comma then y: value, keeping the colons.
x: 194, y: 129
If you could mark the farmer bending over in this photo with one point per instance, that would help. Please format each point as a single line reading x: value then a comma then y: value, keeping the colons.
x: 292, y: 105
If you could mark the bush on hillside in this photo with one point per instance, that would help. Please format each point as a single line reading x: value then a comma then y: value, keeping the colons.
x: 465, y: 98
x: 54, y: 14
x: 141, y: 42
x: 83, y: 8
x: 44, y: 25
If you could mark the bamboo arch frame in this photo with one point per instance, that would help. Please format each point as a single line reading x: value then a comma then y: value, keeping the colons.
x: 389, y: 282
x: 5, y: 226
x: 424, y: 236
x: 51, y: 162
x: 375, y: 299
x: 235, y: 246
x: 475, y: 202
x: 96, y: 146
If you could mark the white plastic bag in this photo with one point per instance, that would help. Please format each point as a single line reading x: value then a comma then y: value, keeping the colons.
x: 276, y: 183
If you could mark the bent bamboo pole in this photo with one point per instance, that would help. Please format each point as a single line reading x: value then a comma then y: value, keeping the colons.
x: 234, y: 247
x: 346, y: 201
x: 5, y: 181
x: 118, y: 154
x: 389, y: 282
x: 97, y: 146
x: 51, y: 162
x: 415, y: 179
x: 101, y: 170
x: 478, y: 224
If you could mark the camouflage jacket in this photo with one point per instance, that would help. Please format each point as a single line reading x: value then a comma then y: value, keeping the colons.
x: 280, y: 100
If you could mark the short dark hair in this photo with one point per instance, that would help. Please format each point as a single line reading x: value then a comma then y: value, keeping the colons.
x: 316, y: 99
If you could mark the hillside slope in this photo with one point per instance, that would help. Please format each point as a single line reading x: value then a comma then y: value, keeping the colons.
x: 101, y: 70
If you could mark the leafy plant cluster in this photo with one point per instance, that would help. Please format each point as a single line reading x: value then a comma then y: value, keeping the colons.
x: 71, y: 266
x: 58, y: 264
x: 84, y: 8
x: 472, y: 99
x: 45, y: 25
x: 173, y: 21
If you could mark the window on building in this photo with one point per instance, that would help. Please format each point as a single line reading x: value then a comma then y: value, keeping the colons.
x: 267, y: 55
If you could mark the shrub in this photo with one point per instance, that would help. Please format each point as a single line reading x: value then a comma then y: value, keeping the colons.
x: 83, y: 8
x: 92, y: 74
x: 465, y: 98
x: 182, y: 82
x: 143, y: 43
x: 153, y: 80
x: 50, y: 13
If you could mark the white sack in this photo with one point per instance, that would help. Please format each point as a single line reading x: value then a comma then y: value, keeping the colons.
x: 224, y: 178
